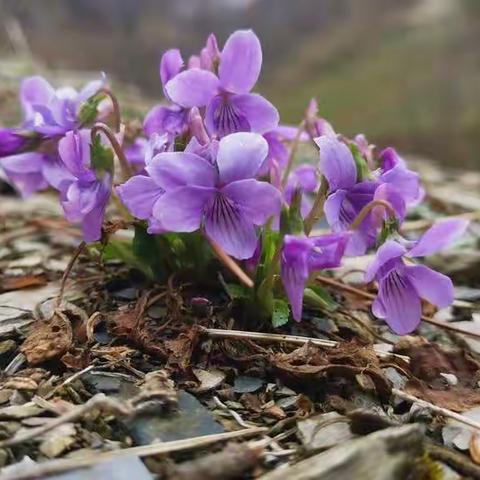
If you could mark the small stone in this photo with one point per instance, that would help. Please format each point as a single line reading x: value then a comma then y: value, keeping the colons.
x: 157, y: 312
x: 324, y: 431
x: 129, y: 293
x: 246, y: 384
x: 18, y: 412
x: 450, y: 378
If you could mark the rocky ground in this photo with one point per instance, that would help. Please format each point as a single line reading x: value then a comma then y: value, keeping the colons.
x: 106, y: 375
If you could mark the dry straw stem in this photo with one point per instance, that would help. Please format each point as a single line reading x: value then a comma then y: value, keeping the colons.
x: 369, y: 296
x: 293, y: 339
x: 433, y: 408
x: 159, y: 448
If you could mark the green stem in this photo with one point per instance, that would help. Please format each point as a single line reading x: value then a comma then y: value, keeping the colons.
x: 368, y: 208
x: 317, y: 209
x: 293, y: 151
x: 125, y: 166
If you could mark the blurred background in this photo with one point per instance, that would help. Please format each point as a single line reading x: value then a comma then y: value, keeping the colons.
x: 404, y: 72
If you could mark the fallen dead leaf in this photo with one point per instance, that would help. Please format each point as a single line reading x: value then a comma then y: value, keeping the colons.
x: 25, y: 281
x: 474, y: 448
x: 48, y: 339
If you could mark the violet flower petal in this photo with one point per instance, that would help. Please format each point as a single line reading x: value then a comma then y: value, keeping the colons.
x: 401, y: 302
x: 192, y: 88
x: 240, y: 62
x: 139, y: 195
x: 240, y: 156
x: 261, y: 115
x: 258, y: 201
x: 442, y: 235
x: 336, y: 163
x: 173, y: 169
x: 181, y: 209
x: 389, y: 252
x: 170, y: 65
x: 430, y: 285
x: 229, y: 226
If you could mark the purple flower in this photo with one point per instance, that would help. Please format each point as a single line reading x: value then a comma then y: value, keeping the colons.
x: 230, y: 107
x: 84, y: 197
x: 171, y: 119
x: 303, y: 177
x: 399, y: 186
x: 223, y: 196
x: 301, y: 256
x: 12, y: 141
x: 26, y: 171
x: 402, y: 286
x: 141, y: 151
x: 53, y: 112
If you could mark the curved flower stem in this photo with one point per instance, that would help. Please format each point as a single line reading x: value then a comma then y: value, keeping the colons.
x: 368, y: 208
x: 127, y: 171
x: 116, y: 107
x: 317, y: 209
x: 293, y: 151
x: 71, y: 263
x: 231, y: 264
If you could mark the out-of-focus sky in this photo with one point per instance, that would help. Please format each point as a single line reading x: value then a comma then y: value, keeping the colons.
x: 404, y: 72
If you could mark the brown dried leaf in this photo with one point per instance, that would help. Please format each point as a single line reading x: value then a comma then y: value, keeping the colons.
x: 48, y: 339
x: 25, y: 281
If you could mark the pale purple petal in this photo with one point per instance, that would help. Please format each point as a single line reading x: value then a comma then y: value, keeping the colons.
x: 430, y: 285
x: 139, y: 195
x: 389, y: 252
x: 181, y: 209
x: 11, y: 141
x: 222, y: 117
x: 25, y: 172
x: 160, y: 120
x: 294, y: 271
x: 405, y: 181
x: 442, y: 235
x: 56, y: 173
x: 390, y: 159
x: 240, y: 62
x: 378, y: 308
x: 192, y: 88
x: 336, y: 163
x: 173, y: 169
x: 228, y: 226
x: 34, y: 91
x: 170, y: 65
x: 258, y: 201
x: 261, y: 115
x: 391, y: 195
x: 327, y: 251
x: 240, y: 156
x: 74, y: 151
x: 401, y: 302
x: 333, y: 210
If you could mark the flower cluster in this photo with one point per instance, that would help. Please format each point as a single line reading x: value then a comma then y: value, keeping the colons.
x: 214, y: 160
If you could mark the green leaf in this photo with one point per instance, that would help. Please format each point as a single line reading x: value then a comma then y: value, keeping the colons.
x: 101, y: 157
x: 89, y: 109
x: 122, y: 250
x: 317, y: 296
x: 280, y: 313
x: 390, y: 227
x: 237, y: 292
x: 291, y: 221
x: 363, y: 172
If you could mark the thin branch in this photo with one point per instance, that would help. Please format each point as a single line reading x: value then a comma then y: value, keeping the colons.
x: 368, y: 296
x: 368, y: 208
x: 127, y: 171
x: 116, y: 106
x: 158, y: 448
x: 293, y: 339
x: 71, y: 263
x: 231, y: 264
x: 433, y: 408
